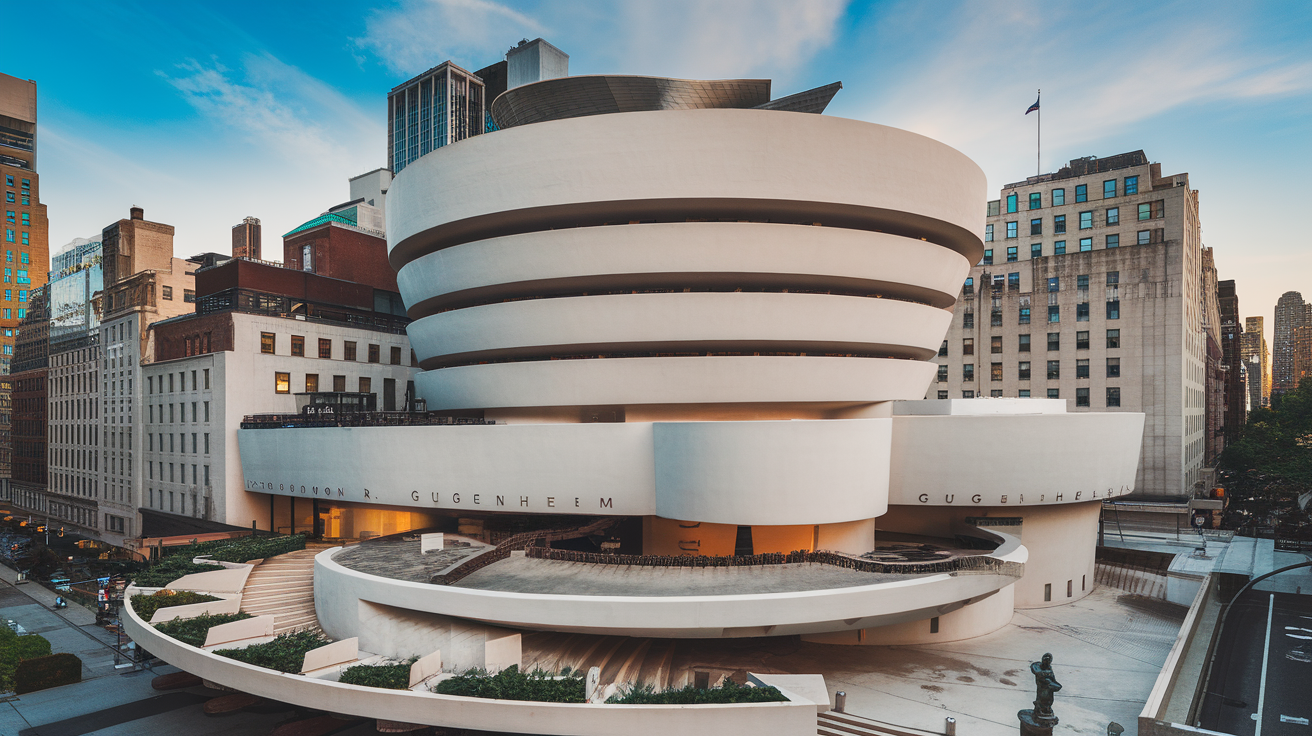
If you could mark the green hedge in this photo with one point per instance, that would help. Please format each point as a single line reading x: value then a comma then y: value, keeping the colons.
x: 146, y: 605
x: 39, y: 673
x: 14, y: 649
x: 167, y: 570
x: 389, y: 676
x: 286, y: 653
x: 193, y: 630
x: 511, y: 684
x: 241, y: 549
x: 729, y: 692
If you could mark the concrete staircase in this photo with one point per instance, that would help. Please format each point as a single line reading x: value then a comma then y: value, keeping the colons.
x: 832, y: 723
x: 621, y: 658
x: 283, y: 587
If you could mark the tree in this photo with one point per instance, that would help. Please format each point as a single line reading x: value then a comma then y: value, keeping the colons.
x: 1270, y: 465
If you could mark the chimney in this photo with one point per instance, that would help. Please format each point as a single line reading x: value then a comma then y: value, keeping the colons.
x: 137, y: 213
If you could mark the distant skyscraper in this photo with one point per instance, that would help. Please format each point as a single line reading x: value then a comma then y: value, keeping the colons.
x: 534, y: 61
x: 27, y: 250
x: 441, y: 106
x: 1257, y: 357
x: 246, y: 239
x: 1232, y: 361
x: 1291, y: 313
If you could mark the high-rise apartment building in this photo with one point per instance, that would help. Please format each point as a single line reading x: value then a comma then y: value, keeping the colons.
x: 26, y: 230
x: 441, y: 106
x: 1257, y: 358
x: 29, y: 376
x: 1092, y: 290
x: 1291, y: 314
x: 1232, y: 361
x: 144, y: 283
x: 246, y: 239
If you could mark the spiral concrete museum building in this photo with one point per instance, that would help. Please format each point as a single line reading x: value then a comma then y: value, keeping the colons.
x: 696, y: 331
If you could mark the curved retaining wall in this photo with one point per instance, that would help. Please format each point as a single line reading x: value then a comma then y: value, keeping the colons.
x: 793, y: 718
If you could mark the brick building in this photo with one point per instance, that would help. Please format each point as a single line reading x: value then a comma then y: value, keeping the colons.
x: 346, y: 243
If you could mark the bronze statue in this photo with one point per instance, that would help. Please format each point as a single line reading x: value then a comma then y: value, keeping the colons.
x: 1041, y: 719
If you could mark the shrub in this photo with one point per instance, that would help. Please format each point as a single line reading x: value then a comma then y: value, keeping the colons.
x: 286, y: 653
x: 729, y: 692
x: 389, y: 676
x: 241, y: 549
x: 146, y: 605
x: 511, y: 684
x: 14, y: 649
x: 52, y: 670
x: 167, y: 570
x: 193, y: 630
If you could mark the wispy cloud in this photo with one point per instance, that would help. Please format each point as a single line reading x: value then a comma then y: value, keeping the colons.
x: 418, y: 34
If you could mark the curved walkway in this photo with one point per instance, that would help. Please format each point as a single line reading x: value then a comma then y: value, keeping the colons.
x: 283, y: 587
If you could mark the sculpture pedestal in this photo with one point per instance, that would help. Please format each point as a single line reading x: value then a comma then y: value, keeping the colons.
x: 1034, y: 725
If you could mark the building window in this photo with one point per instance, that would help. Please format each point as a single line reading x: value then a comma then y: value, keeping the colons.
x: 1054, y: 393
x: 995, y: 344
x: 207, y: 385
x: 943, y: 349
x: 166, y: 293
x: 1023, y: 343
x: 1036, y: 226
x: 1113, y: 396
x: 1036, y: 200
x: 1011, y: 229
x: 1054, y: 313
x: 298, y: 345
x: 967, y: 320
x: 967, y: 394
x: 189, y: 295
x: 1013, y: 281
x: 1114, y: 309
x: 1109, y: 189
x: 206, y: 404
x: 1113, y: 241
x: 1054, y: 283
x: 266, y: 343
x: 991, y: 208
x: 1082, y: 340
x: 366, y: 384
x: 1058, y: 197
x: 1059, y: 248
x: 325, y: 348
x: 1113, y: 215
x: 1082, y: 368
x: 988, y: 256
x: 1036, y: 250
x: 1059, y: 225
x: 996, y: 393
x: 1086, y: 244
x: 1113, y: 367
x: 968, y: 372
x: 348, y: 350
x: 282, y: 383
x: 1082, y: 312
x: 988, y: 233
x: 1145, y: 237
x: 1054, y: 341
x: 1023, y: 370
x: 311, y: 383
x: 942, y: 394
x: 339, y: 384
x: 1113, y: 277
x: 995, y: 372
x: 1086, y: 220
x: 1082, y: 396
x: 396, y: 355
x: 1012, y: 255
x: 967, y: 288
x: 1131, y: 185
x: 1054, y: 370
x: 942, y: 376
x: 307, y: 257
x: 1152, y: 210
x: 1081, y: 193
x: 1024, y: 393
x: 1011, y: 202
x: 1113, y: 338
x: 374, y: 353
x: 968, y: 346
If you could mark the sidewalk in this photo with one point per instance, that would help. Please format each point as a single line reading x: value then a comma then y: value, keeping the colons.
x: 70, y: 629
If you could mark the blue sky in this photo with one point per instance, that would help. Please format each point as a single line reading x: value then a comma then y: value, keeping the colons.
x: 206, y: 112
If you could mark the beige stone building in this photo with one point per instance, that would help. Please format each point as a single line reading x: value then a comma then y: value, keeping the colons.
x: 1091, y: 290
x: 1257, y: 357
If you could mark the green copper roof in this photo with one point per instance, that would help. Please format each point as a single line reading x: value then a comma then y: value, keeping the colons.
x: 321, y: 219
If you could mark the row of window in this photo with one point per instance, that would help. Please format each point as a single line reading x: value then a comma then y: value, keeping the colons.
x: 268, y: 346
x: 1113, y: 279
x: 195, y: 474
x: 1086, y: 223
x: 24, y: 216
x: 196, y: 385
x: 282, y: 383
x: 1023, y: 371
x: 1081, y: 395
x: 1058, y: 196
x: 25, y: 239
x: 9, y: 182
x: 1023, y: 343
x: 182, y: 442
x: 181, y: 413
x: 23, y: 277
x: 1113, y: 312
x: 26, y: 198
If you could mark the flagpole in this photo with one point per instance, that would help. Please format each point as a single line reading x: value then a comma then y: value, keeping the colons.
x: 1038, y: 139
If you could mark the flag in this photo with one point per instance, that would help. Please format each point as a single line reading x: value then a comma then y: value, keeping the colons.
x: 1033, y: 107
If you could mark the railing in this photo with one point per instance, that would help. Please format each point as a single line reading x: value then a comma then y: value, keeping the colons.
x: 534, y: 539
x: 968, y: 564
x: 357, y: 419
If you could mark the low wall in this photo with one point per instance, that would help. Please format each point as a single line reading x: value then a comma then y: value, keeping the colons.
x: 1167, y: 710
x: 792, y: 718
